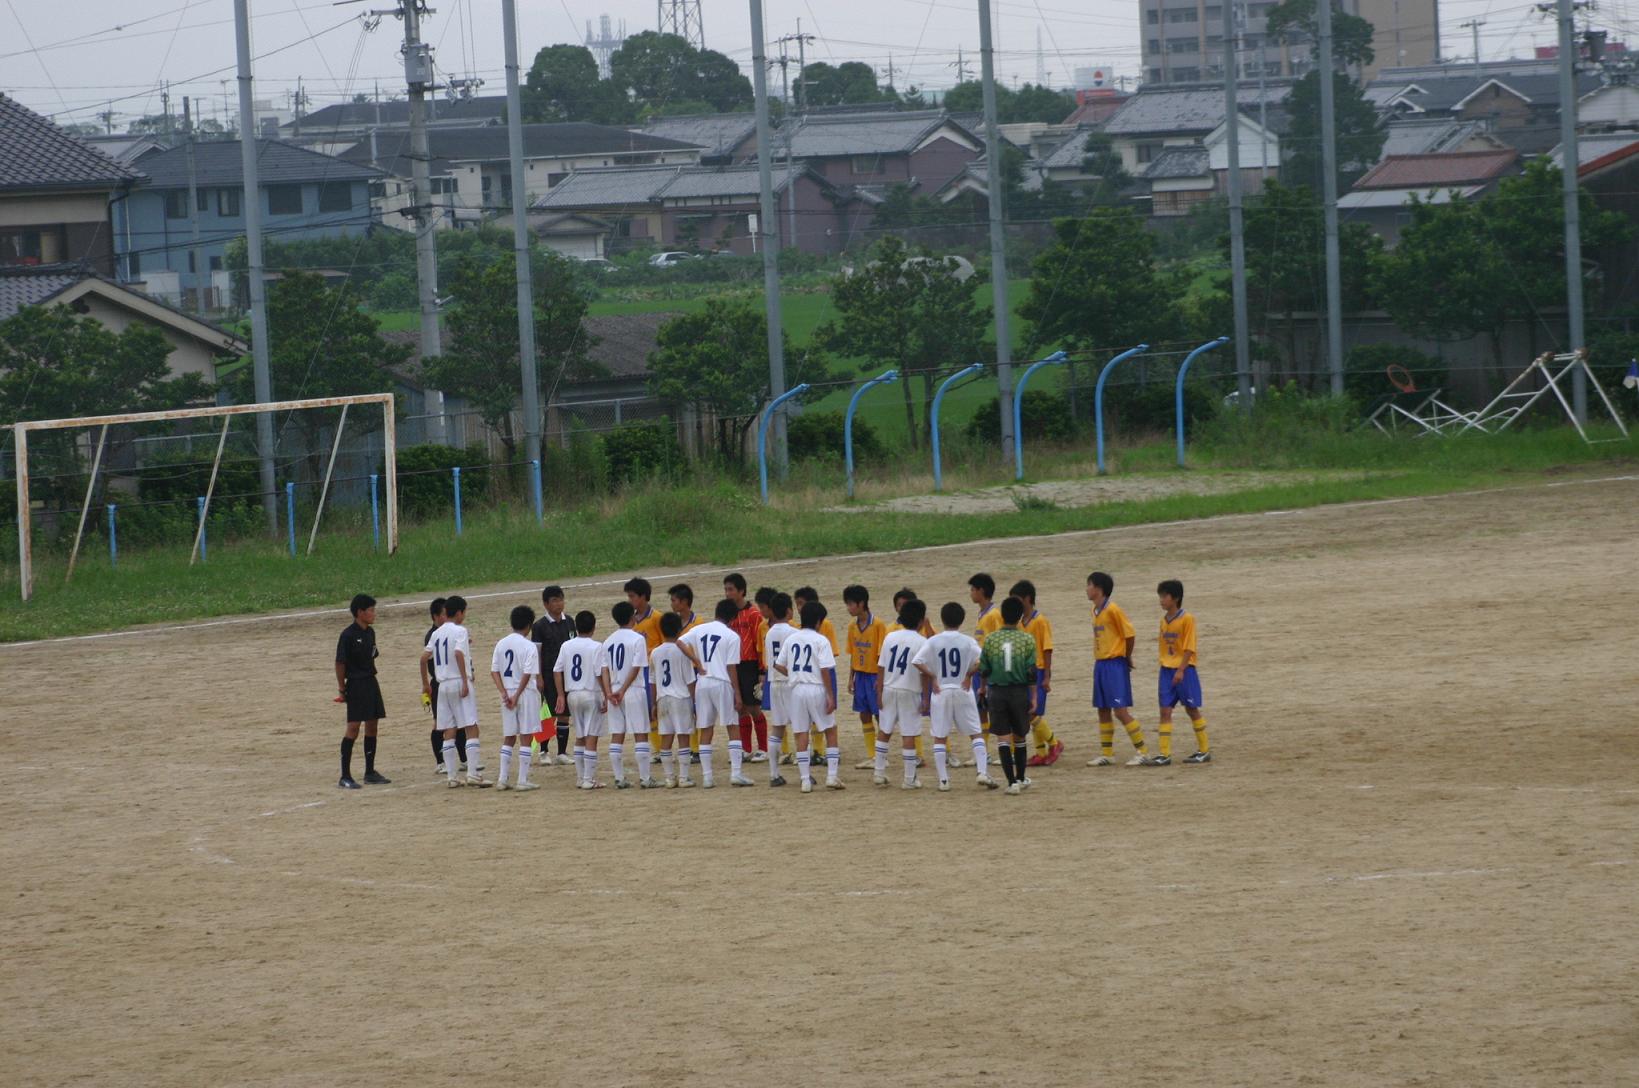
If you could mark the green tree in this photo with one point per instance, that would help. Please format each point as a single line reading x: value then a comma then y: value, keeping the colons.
x: 908, y: 310
x: 717, y: 361
x: 481, y: 363
x: 847, y: 84
x: 1031, y: 103
x: 1360, y: 132
x: 1098, y: 286
x: 564, y: 86
x: 657, y: 70
x: 55, y: 364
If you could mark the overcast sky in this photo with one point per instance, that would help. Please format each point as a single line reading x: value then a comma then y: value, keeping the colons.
x: 69, y: 58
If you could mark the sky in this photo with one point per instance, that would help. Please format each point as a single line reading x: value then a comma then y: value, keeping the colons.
x: 72, y: 59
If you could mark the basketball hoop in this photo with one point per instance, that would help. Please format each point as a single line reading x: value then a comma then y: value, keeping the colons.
x: 1401, y: 378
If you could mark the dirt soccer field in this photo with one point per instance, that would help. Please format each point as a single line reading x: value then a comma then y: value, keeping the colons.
x: 1413, y: 862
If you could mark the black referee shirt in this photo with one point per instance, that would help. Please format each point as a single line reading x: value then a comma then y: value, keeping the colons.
x: 550, y: 635
x: 356, y: 650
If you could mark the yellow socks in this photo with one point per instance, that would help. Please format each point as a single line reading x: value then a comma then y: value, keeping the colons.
x: 1043, y: 735
x: 1163, y: 739
x: 921, y: 753
x: 1106, y: 738
x: 1135, y: 733
x: 694, y: 742
x: 1200, y: 734
x: 786, y: 748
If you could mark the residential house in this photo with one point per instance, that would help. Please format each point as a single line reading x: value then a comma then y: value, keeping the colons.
x: 471, y: 173
x: 1382, y: 198
x: 1161, y: 116
x: 60, y: 199
x: 1421, y: 135
x: 1518, y: 100
x: 1096, y: 106
x: 1610, y: 107
x: 722, y: 137
x: 874, y: 150
x: 125, y: 148
x: 303, y: 195
x: 1608, y: 168
x: 334, y: 128
x: 197, y: 346
x: 687, y: 207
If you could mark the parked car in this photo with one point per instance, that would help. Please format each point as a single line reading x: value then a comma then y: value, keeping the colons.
x: 597, y: 264
x: 670, y: 258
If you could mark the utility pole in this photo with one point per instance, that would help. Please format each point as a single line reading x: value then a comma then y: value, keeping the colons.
x: 1569, y: 166
x: 252, y: 203
x: 960, y: 66
x: 520, y: 236
x: 1474, y: 25
x: 1237, y: 222
x: 1263, y: 114
x: 196, y: 258
x: 1328, y: 166
x: 998, y: 239
x: 802, y: 68
x: 418, y: 74
x: 768, y: 229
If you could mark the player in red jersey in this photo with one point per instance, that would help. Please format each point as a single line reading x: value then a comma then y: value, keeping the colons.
x: 750, y: 626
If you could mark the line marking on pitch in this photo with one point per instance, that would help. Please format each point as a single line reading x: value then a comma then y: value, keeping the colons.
x: 775, y: 564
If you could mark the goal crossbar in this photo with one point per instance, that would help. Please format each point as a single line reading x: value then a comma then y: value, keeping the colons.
x: 21, y: 431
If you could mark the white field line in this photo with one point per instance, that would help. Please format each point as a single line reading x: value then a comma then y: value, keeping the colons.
x: 1360, y: 504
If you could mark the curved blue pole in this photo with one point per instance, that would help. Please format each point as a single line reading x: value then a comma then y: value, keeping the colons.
x: 938, y: 478
x: 1018, y: 397
x: 1178, y: 390
x: 848, y: 422
x: 1098, y: 398
x: 456, y: 471
x: 762, y: 434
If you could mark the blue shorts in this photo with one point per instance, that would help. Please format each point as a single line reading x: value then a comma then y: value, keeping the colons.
x: 1112, y: 684
x: 1040, y: 706
x: 1188, y: 692
x: 768, y: 692
x: 865, y: 695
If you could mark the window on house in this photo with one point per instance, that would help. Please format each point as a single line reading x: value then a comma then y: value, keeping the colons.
x: 227, y: 203
x: 1182, y: 45
x: 336, y: 196
x: 443, y: 186
x: 553, y: 180
x: 1156, y: 75
x: 378, y: 189
x: 176, y: 204
x: 1152, y: 17
x: 32, y: 245
x: 190, y: 262
x: 866, y: 164
x: 1213, y: 15
x: 1155, y: 45
x: 1181, y: 15
x: 216, y: 264
x: 284, y: 200
x: 202, y: 199
x: 1147, y: 152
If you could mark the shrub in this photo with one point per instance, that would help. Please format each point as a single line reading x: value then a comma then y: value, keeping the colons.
x: 641, y: 450
x: 819, y: 435
x: 1365, y: 370
x: 426, y: 485
x: 1044, y: 416
x: 1284, y: 426
x: 1153, y: 406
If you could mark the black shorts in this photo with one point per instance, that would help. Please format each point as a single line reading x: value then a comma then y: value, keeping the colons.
x: 364, y: 699
x: 1010, y: 710
x: 746, y: 672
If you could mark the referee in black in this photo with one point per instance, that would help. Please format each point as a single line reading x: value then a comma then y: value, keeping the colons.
x: 356, y: 681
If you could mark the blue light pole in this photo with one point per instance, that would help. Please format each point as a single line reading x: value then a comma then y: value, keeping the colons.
x: 762, y: 434
x: 455, y: 472
x: 1018, y: 417
x: 848, y: 422
x: 1178, y: 389
x: 1098, y: 398
x: 375, y: 515
x: 944, y: 386
x: 290, y: 515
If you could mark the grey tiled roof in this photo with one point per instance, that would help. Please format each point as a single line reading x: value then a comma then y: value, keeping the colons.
x: 1178, y: 162
x: 355, y: 115
x: 718, y: 133
x: 488, y: 143
x: 726, y: 181
x: 30, y: 287
x: 631, y: 186
x: 1187, y: 108
x: 36, y: 154
x: 879, y: 133
x: 1070, y: 152
x: 1441, y: 93
x: 1425, y: 136
x: 217, y: 163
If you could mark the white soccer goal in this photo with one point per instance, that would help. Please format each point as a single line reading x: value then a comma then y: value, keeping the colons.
x: 100, y: 424
x: 1535, y: 382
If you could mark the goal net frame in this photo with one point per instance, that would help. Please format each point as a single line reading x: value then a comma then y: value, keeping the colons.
x: 21, y: 431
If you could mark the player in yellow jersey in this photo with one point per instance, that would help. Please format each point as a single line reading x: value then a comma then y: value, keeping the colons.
x: 1048, y: 745
x: 865, y: 635
x: 1179, y: 682
x: 1113, y: 641
x: 638, y: 591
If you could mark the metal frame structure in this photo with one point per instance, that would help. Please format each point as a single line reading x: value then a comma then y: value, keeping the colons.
x: 1515, y: 400
x: 1421, y: 408
x: 21, y: 431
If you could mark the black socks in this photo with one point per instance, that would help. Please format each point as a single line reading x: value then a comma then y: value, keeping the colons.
x: 1005, y: 751
x: 347, y: 757
x: 369, y: 755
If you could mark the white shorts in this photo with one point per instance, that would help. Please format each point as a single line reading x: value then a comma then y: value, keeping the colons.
x: 523, y: 720
x: 714, y: 703
x: 808, y: 713
x: 589, y: 720
x: 676, y: 716
x: 448, y: 707
x: 779, y: 705
x: 469, y: 705
x: 901, y: 711
x: 631, y: 714
x: 954, y: 710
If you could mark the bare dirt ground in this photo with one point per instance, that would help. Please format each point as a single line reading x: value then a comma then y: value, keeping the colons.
x: 1413, y: 863
x: 1092, y: 490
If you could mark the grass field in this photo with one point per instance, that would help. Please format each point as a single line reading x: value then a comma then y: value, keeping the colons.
x: 1412, y: 861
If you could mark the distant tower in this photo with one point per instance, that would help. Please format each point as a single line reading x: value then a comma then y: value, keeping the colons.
x: 605, y: 42
x: 682, y: 17
x: 1041, y: 60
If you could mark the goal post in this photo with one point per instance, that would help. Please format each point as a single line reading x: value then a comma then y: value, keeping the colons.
x: 21, y: 431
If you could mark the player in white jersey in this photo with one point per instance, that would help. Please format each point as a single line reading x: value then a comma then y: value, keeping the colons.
x: 577, y: 674
x: 950, y: 660
x: 714, y: 649
x: 515, y: 668
x: 810, y: 666
x: 674, y: 681
x: 625, y: 660
x: 775, y: 683
x: 901, y: 693
x: 449, y: 652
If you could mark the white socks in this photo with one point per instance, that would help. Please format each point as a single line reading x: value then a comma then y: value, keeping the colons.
x: 705, y: 763
x: 833, y: 757
x: 981, y: 758
x: 617, y: 762
x: 666, y: 768
x: 645, y: 757
x: 452, y: 762
x: 506, y: 763
x: 775, y: 735
x: 473, y: 760
x: 580, y: 764
x: 881, y: 757
x: 523, y: 765
x: 908, y: 757
x: 736, y: 756
x: 805, y: 764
